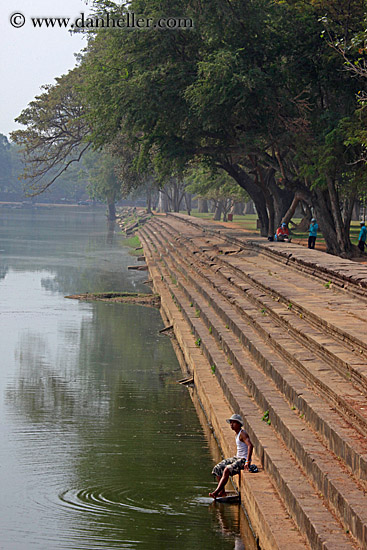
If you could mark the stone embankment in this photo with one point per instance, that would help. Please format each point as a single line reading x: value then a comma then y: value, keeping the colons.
x: 276, y: 333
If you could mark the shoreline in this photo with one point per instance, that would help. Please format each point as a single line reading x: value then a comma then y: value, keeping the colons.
x: 152, y: 300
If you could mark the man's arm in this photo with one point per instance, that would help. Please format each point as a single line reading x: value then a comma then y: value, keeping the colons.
x: 246, y: 439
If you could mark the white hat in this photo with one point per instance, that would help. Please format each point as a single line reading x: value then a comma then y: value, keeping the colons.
x: 236, y: 418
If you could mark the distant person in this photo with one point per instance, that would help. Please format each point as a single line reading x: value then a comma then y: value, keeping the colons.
x: 233, y: 466
x: 282, y: 233
x: 312, y: 233
x: 362, y: 237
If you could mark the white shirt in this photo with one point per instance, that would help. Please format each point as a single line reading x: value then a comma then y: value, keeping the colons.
x: 242, y: 448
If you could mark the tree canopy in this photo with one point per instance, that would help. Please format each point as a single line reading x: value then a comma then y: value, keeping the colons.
x: 258, y: 90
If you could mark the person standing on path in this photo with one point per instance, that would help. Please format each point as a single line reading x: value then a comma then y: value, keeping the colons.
x: 312, y: 233
x: 232, y: 466
x: 362, y: 237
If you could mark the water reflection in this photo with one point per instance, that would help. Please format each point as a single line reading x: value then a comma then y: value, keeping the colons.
x: 99, y: 446
x: 111, y: 227
x: 80, y: 250
x: 3, y: 271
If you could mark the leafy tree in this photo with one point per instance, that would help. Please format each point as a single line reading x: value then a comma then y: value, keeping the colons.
x: 103, y: 182
x: 248, y: 93
x: 56, y: 132
x: 158, y: 104
x: 217, y: 187
x: 243, y: 91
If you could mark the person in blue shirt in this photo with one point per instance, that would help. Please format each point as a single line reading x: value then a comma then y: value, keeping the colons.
x: 362, y: 237
x: 312, y: 232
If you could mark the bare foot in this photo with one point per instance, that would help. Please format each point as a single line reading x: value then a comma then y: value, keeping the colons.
x: 215, y: 495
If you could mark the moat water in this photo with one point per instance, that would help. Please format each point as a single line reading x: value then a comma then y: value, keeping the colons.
x: 100, y: 447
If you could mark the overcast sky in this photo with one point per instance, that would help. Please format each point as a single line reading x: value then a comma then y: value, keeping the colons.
x: 31, y: 57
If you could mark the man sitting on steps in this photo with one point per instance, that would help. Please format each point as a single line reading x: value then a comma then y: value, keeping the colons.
x: 282, y: 234
x: 233, y: 466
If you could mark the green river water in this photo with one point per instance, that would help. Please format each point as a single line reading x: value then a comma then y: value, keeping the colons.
x: 100, y: 447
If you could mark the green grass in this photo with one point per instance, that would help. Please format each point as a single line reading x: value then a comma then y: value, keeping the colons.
x: 247, y: 222
x: 133, y: 242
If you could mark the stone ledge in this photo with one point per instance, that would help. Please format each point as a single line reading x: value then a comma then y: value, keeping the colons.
x: 345, y: 273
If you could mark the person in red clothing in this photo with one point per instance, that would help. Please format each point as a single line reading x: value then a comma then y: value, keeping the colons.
x: 282, y: 233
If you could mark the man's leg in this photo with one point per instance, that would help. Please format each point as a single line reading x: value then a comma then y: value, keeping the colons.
x: 220, y: 490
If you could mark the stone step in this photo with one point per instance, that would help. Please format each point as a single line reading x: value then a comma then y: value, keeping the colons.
x: 340, y: 311
x: 341, y: 438
x: 338, y: 388
x: 270, y: 520
x: 358, y: 458
x: 350, y: 365
x: 308, y: 507
x: 348, y: 275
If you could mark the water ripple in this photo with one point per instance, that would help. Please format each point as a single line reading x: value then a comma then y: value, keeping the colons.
x: 109, y: 502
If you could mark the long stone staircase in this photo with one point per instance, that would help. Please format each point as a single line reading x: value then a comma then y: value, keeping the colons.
x: 288, y: 349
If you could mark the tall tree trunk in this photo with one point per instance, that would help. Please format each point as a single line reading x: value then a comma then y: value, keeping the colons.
x: 356, y: 211
x: 237, y: 208
x: 263, y: 217
x: 264, y: 180
x: 149, y: 201
x: 249, y: 208
x: 188, y: 198
x: 162, y: 202
x: 342, y: 234
x: 218, y: 211
x: 304, y: 224
x: 175, y: 198
x: 111, y: 210
x: 325, y: 220
x: 291, y: 210
x: 155, y: 197
x: 348, y: 211
x: 110, y: 231
x: 202, y: 205
x: 227, y: 205
x: 282, y: 198
x: 271, y: 212
x: 177, y: 194
x: 247, y: 183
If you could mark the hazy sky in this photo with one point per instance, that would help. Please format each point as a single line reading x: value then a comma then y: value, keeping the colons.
x: 31, y: 57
